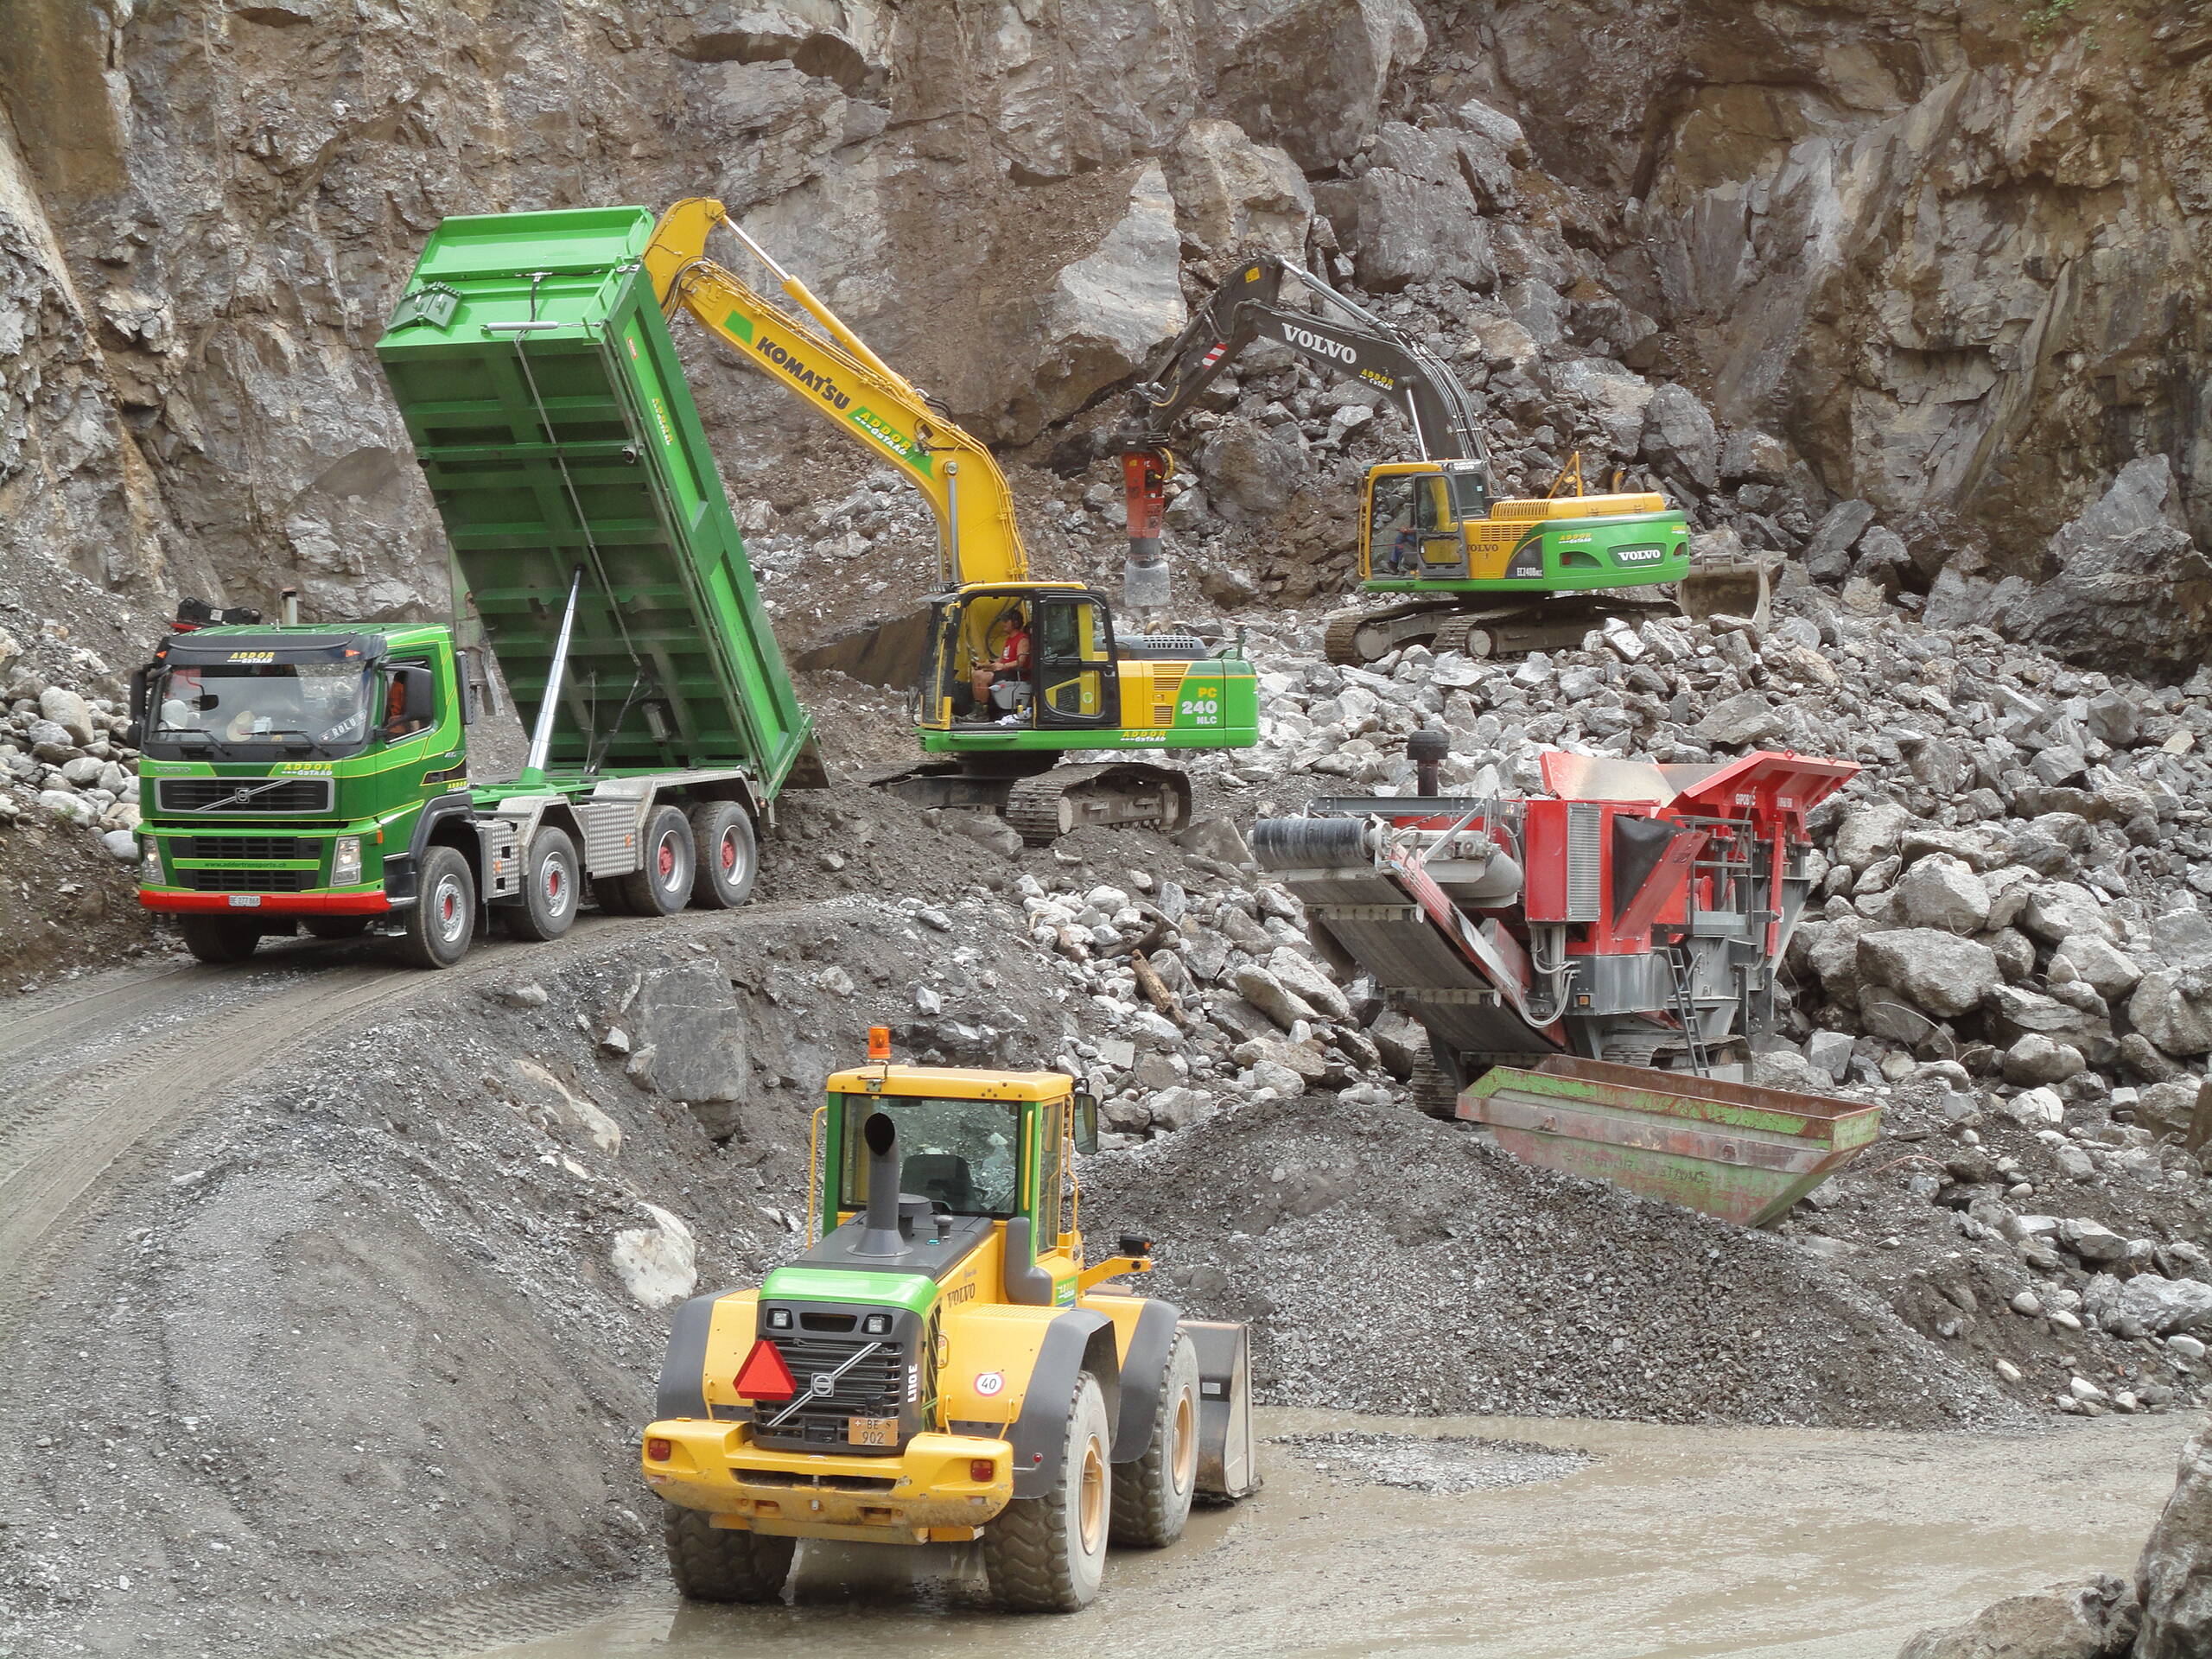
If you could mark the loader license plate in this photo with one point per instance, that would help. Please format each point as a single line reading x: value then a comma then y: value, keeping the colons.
x: 872, y: 1431
x: 245, y: 901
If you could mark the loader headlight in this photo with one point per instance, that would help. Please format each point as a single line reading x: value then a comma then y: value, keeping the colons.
x: 779, y: 1319
x: 877, y: 1324
x: 345, y: 861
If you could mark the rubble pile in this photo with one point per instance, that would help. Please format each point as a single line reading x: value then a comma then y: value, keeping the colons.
x: 63, y: 755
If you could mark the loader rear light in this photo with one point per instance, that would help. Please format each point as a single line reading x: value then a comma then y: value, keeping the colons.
x: 983, y: 1470
x: 659, y: 1451
x: 764, y: 1376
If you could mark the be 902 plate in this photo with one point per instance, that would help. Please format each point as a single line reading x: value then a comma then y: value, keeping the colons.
x: 872, y: 1431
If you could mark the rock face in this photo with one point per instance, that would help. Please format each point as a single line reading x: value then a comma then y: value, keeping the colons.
x: 2174, y: 1579
x: 2129, y: 587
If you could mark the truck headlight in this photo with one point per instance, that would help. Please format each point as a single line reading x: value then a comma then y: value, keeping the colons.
x: 346, y: 861
x: 149, y: 869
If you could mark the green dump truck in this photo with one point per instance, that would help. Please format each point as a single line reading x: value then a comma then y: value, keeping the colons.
x: 319, y: 776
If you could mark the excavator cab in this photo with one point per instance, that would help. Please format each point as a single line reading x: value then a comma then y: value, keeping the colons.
x: 1413, y: 513
x: 1070, y: 683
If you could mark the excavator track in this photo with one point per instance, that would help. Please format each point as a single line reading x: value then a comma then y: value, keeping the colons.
x: 1355, y: 639
x: 1044, y: 808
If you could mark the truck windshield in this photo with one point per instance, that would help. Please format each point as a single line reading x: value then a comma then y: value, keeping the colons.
x: 242, y: 711
x: 966, y: 1155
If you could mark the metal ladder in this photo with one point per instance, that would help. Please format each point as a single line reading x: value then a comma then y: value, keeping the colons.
x: 1678, y: 971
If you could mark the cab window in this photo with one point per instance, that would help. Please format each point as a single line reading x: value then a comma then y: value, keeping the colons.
x: 964, y: 1154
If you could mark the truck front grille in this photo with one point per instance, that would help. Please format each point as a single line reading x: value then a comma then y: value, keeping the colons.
x: 247, y: 881
x: 221, y: 795
x: 263, y: 847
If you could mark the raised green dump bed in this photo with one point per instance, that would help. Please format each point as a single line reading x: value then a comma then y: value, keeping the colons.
x: 546, y: 404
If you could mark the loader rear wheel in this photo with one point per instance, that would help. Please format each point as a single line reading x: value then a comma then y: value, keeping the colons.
x: 1048, y: 1554
x: 712, y: 1563
x: 662, y: 884
x: 1152, y: 1497
x: 217, y: 938
x: 726, y: 855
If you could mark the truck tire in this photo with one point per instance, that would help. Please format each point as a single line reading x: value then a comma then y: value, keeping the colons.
x: 442, y: 924
x: 552, y: 879
x: 1152, y: 1497
x: 336, y: 927
x: 219, y: 938
x: 712, y: 1563
x: 726, y: 855
x: 661, y: 885
x: 1047, y: 1554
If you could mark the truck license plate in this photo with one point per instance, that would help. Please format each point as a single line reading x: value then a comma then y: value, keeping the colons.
x: 872, y: 1431
x: 245, y: 901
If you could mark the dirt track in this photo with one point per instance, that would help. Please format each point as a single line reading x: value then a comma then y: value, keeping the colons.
x: 1674, y: 1543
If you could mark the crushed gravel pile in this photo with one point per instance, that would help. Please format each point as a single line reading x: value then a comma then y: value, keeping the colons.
x: 1391, y: 1263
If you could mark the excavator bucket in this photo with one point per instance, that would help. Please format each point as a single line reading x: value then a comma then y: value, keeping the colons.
x: 1734, y: 1150
x: 1734, y: 587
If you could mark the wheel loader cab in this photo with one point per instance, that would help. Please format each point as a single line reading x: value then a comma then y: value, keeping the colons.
x: 1071, y: 682
x: 1413, y: 516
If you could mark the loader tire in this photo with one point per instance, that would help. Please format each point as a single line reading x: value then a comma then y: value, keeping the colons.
x: 712, y: 1563
x: 1152, y: 1496
x: 1048, y: 1554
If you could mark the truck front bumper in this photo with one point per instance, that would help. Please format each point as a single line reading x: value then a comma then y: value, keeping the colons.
x: 373, y: 903
x: 927, y: 1494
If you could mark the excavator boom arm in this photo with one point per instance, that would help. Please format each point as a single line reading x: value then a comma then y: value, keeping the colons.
x: 831, y: 369
x: 1341, y: 338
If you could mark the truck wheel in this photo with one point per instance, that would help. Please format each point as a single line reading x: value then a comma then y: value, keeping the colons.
x: 1152, y: 1497
x: 725, y: 854
x: 662, y: 885
x: 712, y: 1563
x: 219, y: 938
x: 550, y: 882
x: 336, y: 927
x: 1047, y: 1554
x: 442, y: 923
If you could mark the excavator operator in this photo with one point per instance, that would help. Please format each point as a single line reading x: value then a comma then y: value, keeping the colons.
x: 1012, y: 661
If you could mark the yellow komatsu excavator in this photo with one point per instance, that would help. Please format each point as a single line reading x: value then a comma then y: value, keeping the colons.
x: 1018, y: 672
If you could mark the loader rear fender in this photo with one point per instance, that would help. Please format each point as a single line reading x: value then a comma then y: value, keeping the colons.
x: 1144, y: 1371
x: 1076, y: 1341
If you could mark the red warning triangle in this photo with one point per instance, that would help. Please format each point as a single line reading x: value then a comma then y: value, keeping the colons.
x: 764, y: 1376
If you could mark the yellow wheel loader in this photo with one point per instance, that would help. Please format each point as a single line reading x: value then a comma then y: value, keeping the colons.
x: 941, y: 1365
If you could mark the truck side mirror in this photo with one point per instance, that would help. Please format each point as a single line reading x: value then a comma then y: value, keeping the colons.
x: 1086, y: 1123
x: 134, y: 734
x: 414, y: 684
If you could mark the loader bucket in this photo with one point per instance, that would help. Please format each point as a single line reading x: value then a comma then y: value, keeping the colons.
x: 1741, y: 588
x: 1226, y: 1465
x: 1733, y: 1150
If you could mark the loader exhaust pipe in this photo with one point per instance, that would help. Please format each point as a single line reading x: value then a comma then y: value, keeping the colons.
x: 1427, y: 748
x: 881, y: 1234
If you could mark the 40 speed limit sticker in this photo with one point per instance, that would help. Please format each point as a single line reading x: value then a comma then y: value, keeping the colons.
x: 990, y: 1383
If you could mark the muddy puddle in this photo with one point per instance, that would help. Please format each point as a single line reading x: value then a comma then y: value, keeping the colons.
x: 1536, y: 1538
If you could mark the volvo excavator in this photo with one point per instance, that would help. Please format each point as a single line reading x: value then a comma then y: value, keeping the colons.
x: 1076, y: 684
x: 1464, y: 571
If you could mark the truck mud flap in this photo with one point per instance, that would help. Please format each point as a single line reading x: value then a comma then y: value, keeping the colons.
x: 1226, y: 1466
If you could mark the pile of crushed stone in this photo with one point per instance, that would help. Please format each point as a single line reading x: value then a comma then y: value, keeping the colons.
x: 1387, y: 1263
x: 1442, y: 1465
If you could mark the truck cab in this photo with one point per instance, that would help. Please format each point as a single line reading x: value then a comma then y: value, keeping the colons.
x: 940, y: 1364
x: 293, y: 775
